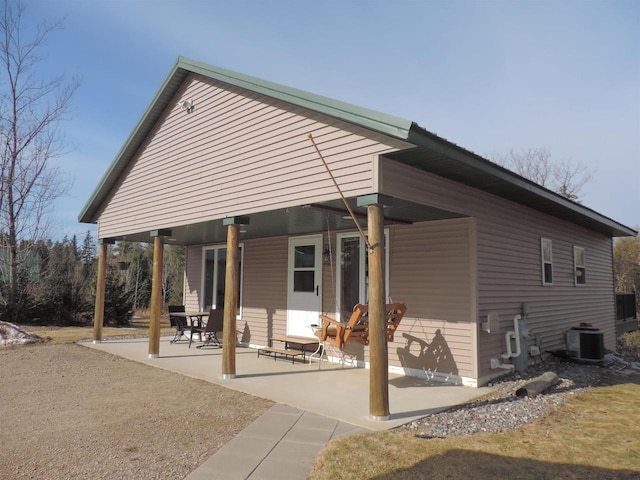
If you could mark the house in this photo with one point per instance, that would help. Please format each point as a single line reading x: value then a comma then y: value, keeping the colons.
x: 222, y: 161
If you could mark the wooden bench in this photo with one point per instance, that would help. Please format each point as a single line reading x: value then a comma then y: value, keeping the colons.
x: 304, y: 342
x: 286, y: 352
x: 274, y: 352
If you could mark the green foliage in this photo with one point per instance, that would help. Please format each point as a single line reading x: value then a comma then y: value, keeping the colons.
x: 58, y: 288
x: 136, y: 278
x: 64, y: 292
x: 629, y: 345
x: 117, y: 299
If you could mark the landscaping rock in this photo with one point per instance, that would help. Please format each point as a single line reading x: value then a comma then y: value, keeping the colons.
x: 502, y: 410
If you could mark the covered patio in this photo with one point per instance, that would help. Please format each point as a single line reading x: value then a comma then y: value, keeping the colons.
x: 333, y: 391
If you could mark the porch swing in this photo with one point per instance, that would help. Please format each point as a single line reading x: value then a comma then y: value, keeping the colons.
x: 336, y: 334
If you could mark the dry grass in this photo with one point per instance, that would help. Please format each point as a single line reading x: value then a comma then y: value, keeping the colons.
x: 593, y: 436
x: 71, y: 412
x: 62, y: 335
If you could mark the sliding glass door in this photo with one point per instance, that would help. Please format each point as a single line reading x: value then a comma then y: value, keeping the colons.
x: 352, y: 285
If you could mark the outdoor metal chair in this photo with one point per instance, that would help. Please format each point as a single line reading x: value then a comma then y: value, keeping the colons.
x: 211, y: 329
x: 177, y: 322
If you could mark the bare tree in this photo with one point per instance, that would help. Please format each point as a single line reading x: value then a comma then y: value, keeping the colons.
x: 626, y: 265
x: 30, y: 112
x: 565, y: 177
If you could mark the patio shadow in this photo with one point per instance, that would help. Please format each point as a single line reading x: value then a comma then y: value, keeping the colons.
x: 430, y: 357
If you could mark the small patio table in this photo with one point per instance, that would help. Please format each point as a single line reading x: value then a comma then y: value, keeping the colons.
x: 195, y: 320
x: 193, y: 316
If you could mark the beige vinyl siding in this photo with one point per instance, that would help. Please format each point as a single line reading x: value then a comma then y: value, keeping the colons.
x: 430, y: 272
x: 264, y: 288
x: 513, y: 274
x: 193, y: 277
x: 509, y: 264
x: 237, y: 153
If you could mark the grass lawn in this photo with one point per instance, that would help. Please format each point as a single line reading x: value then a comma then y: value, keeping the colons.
x: 593, y: 436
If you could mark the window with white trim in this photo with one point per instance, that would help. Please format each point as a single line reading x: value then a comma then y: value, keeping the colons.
x: 546, y: 257
x: 579, y: 266
x: 214, y: 266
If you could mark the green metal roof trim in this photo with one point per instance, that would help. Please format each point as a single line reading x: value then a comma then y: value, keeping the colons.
x: 432, y: 153
x: 371, y: 119
x: 387, y: 124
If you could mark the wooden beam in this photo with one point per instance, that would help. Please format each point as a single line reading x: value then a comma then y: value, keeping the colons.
x: 101, y: 281
x: 231, y: 283
x: 378, y: 349
x: 156, y: 297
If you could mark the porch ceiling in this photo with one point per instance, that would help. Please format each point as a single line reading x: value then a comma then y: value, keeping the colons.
x: 299, y: 220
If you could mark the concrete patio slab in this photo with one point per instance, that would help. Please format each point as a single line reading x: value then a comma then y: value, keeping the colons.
x: 337, y: 392
x: 315, y: 403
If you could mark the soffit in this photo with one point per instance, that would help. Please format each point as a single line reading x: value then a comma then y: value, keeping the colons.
x: 301, y: 220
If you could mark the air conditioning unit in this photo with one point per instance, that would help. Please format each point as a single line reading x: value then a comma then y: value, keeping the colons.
x: 585, y: 343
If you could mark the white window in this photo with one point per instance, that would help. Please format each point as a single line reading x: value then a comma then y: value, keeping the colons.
x: 352, y: 285
x: 579, y: 266
x: 546, y: 254
x: 214, y: 263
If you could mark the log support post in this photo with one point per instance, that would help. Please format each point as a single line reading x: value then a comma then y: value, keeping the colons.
x: 231, y: 293
x: 378, y: 348
x: 101, y: 283
x: 156, y: 291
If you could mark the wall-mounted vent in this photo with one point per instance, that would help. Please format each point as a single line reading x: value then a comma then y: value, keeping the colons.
x: 489, y: 321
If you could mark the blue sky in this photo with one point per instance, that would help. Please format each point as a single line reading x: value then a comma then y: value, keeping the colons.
x: 487, y: 75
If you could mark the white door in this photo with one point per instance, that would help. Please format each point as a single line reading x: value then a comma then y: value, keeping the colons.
x: 304, y: 296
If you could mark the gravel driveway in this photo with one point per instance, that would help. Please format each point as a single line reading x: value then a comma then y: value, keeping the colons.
x: 67, y: 411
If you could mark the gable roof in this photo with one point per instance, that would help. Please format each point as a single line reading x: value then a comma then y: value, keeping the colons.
x: 432, y: 153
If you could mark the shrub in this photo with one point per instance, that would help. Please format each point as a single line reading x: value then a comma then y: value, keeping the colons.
x: 629, y: 345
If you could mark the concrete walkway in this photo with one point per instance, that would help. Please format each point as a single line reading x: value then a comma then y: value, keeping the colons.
x: 314, y: 403
x: 282, y: 443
